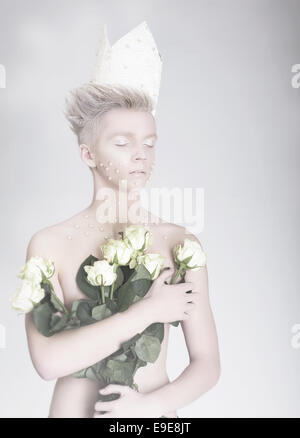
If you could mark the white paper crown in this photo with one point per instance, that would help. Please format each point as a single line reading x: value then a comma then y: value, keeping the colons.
x: 132, y: 61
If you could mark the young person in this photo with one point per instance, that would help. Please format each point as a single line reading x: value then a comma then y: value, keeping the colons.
x: 117, y: 135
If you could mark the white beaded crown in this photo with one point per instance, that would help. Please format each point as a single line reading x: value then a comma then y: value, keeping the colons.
x: 132, y: 61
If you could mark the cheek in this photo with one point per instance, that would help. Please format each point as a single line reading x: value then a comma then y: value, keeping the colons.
x: 114, y: 165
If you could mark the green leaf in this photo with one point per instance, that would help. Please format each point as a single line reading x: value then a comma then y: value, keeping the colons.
x: 131, y: 352
x: 80, y: 374
x: 141, y: 286
x: 120, y: 278
x: 124, y: 296
x: 175, y: 323
x: 100, y: 312
x: 156, y: 329
x: 97, y: 366
x: 137, y: 284
x: 136, y: 298
x: 135, y: 386
x: 120, y: 372
x: 71, y: 324
x: 42, y: 314
x: 77, y: 303
x: 185, y: 261
x: 147, y: 348
x: 127, y: 272
x: 122, y: 357
x: 47, y: 288
x: 91, y: 374
x: 141, y: 273
x: 111, y: 305
x: 57, y: 322
x: 126, y: 345
x: 81, y: 279
x: 138, y: 364
x: 83, y: 309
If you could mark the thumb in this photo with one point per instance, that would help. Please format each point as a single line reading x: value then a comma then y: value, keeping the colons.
x: 165, y: 274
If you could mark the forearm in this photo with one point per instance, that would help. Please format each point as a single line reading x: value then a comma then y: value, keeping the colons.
x: 72, y: 350
x: 195, y: 380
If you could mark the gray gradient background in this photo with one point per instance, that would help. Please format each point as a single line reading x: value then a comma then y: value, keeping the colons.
x: 228, y: 121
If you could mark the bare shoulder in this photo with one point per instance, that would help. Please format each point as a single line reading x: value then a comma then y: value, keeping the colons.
x: 48, y: 241
x: 174, y: 234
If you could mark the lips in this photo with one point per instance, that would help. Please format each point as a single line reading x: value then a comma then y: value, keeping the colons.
x: 141, y: 171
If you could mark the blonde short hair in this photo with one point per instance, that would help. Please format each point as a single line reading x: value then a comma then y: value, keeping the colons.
x: 88, y: 102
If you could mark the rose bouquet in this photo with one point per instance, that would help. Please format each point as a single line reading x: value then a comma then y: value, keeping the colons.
x: 111, y: 285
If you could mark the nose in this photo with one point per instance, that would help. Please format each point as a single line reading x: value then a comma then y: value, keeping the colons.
x: 139, y: 153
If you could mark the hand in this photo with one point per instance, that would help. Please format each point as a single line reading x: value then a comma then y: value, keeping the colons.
x: 171, y: 302
x: 130, y: 404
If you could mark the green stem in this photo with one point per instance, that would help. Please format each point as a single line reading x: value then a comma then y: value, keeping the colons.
x: 102, y: 294
x: 111, y: 291
x: 99, y: 296
x: 173, y: 280
x: 45, y: 280
x: 113, y: 285
x: 58, y: 300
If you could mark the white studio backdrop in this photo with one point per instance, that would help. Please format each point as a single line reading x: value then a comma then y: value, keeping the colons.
x: 228, y: 122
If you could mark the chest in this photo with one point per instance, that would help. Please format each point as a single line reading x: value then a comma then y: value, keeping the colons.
x: 73, y: 255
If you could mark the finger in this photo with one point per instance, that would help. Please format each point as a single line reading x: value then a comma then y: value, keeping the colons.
x: 190, y: 285
x: 186, y: 286
x: 194, y: 297
x: 165, y: 274
x: 112, y: 387
x: 192, y: 294
x: 190, y: 307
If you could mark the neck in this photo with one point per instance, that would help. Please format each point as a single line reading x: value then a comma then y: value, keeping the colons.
x: 116, y: 207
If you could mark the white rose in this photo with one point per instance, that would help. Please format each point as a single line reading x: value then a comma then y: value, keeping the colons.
x: 117, y: 251
x: 137, y: 237
x: 26, y: 296
x: 101, y: 273
x: 133, y: 262
x: 31, y: 271
x: 190, y: 254
x: 152, y: 262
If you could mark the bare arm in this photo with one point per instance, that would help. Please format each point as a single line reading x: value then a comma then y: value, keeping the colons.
x: 69, y: 351
x: 201, y: 338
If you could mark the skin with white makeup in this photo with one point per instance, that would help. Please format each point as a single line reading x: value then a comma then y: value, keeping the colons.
x: 125, y: 142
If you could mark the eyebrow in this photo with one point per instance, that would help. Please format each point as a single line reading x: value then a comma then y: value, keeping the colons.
x: 130, y: 134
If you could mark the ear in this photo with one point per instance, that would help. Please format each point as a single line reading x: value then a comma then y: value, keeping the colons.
x: 86, y: 155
